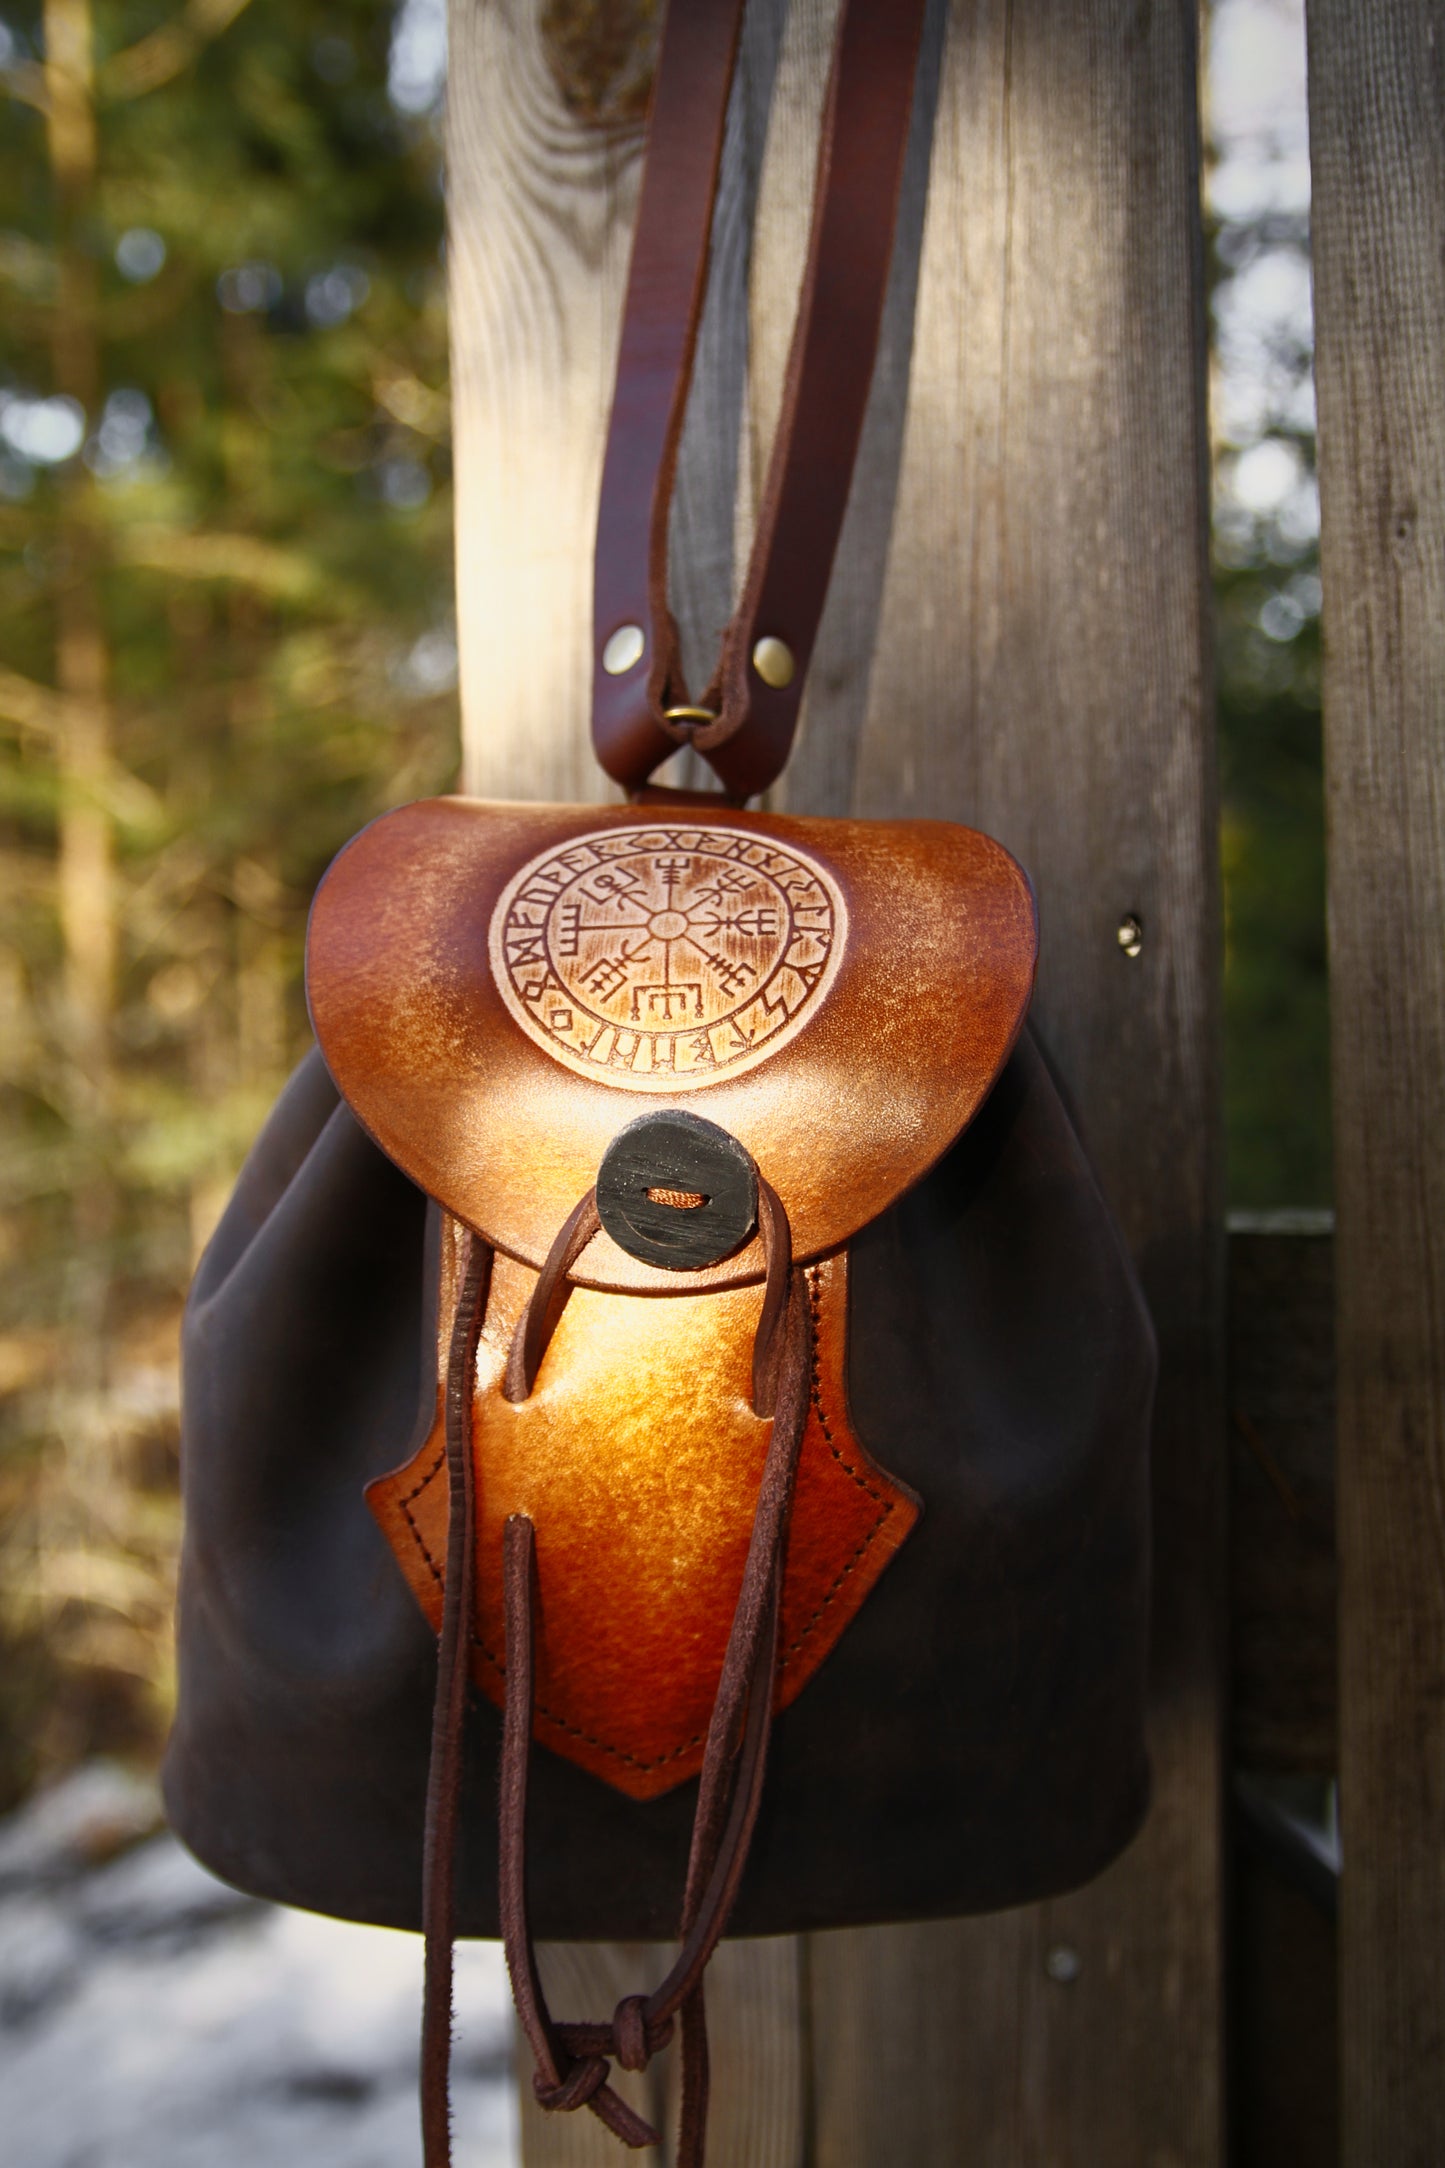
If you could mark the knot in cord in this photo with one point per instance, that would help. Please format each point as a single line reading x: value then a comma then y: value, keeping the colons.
x: 575, y: 2087
x: 630, y: 2031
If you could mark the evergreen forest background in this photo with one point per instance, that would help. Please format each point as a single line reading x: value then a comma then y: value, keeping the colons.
x: 226, y: 642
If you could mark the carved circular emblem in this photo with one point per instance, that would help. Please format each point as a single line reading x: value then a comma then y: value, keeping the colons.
x: 661, y: 959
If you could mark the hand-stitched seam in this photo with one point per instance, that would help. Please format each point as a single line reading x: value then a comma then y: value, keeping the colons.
x: 791, y: 1651
x: 574, y: 1730
x: 417, y: 1536
x: 850, y: 1565
x: 886, y: 1504
x: 815, y: 1304
x: 439, y: 1462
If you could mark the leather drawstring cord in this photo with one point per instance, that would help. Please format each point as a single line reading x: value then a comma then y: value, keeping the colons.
x: 539, y: 1320
x: 573, y: 2058
x: 444, y: 1778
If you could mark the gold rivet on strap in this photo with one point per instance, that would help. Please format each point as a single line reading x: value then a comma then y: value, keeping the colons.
x: 773, y: 661
x: 623, y: 650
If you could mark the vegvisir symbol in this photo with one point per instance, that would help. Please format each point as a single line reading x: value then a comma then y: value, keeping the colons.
x: 666, y: 956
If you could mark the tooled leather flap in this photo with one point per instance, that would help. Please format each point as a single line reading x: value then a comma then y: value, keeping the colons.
x: 499, y: 989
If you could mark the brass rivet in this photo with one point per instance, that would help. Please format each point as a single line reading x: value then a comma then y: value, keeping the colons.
x: 773, y: 661
x: 623, y: 650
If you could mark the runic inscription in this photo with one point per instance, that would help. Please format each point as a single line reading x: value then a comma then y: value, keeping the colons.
x: 666, y: 958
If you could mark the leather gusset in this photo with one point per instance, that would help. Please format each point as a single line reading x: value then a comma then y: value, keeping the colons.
x: 911, y: 984
x: 638, y: 1458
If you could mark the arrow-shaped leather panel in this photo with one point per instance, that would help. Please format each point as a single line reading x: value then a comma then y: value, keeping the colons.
x: 638, y: 1458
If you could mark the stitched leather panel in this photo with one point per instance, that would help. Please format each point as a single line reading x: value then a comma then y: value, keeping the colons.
x: 638, y: 1458
x: 870, y: 1030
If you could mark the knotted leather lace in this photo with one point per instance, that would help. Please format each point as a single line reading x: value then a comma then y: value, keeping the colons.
x: 573, y: 2059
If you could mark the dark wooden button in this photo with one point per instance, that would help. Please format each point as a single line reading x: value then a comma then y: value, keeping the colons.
x: 677, y: 1191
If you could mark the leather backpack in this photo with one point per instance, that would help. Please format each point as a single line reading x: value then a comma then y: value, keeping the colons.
x: 666, y: 1408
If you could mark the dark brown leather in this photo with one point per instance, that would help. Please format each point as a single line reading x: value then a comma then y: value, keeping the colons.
x: 850, y: 1041
x: 974, y: 1740
x: 638, y: 1458
x: 666, y: 282
x: 830, y: 368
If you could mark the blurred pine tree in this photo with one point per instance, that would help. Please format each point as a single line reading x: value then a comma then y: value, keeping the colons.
x: 1267, y: 597
x: 224, y: 644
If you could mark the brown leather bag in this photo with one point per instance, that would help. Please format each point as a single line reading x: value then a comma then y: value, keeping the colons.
x: 684, y: 1269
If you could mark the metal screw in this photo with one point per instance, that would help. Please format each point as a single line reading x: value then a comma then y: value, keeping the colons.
x: 1130, y: 935
x: 623, y: 650
x: 1063, y: 1964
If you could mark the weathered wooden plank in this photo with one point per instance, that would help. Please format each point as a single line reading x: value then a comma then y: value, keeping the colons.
x: 1039, y: 666
x: 1283, y: 1582
x: 1016, y: 637
x: 540, y: 205
x: 1377, y: 132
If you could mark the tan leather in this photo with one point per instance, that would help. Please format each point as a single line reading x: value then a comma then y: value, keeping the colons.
x: 638, y: 1459
x: 866, y: 984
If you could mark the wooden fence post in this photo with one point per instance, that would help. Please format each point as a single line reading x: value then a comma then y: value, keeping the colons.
x: 1377, y: 128
x: 1017, y: 637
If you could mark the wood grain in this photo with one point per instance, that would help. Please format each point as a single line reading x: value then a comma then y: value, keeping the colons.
x: 1039, y: 666
x: 540, y: 205
x: 1377, y: 130
x: 1016, y: 638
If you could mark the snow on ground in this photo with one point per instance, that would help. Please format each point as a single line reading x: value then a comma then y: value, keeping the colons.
x: 151, y: 2017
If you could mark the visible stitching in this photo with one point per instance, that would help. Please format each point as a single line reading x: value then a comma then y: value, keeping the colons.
x: 439, y: 1462
x: 811, y: 1275
x: 872, y: 1535
x: 405, y: 1503
x: 574, y: 1730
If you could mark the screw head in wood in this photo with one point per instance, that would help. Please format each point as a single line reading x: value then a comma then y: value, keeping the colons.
x: 773, y: 661
x: 624, y: 650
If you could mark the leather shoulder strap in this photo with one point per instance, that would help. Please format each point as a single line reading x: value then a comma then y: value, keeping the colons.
x: 745, y: 722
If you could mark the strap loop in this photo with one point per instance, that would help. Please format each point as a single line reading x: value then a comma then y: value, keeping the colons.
x: 643, y: 714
